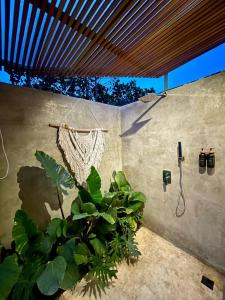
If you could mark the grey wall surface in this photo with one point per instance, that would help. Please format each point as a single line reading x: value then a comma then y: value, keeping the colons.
x: 142, y: 139
x: 24, y: 117
x: 195, y: 115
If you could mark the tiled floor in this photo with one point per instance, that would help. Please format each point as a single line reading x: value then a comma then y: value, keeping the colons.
x: 163, y: 272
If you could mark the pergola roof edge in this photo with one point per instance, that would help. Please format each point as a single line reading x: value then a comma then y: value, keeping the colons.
x: 107, y: 38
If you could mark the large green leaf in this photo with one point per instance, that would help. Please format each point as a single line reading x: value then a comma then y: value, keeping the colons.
x: 75, y: 208
x: 72, y: 273
x: 133, y: 223
x: 88, y: 208
x: 109, y: 218
x: 121, y: 181
x: 81, y: 254
x: 94, y: 186
x: 9, y: 274
x: 99, y: 247
x: 134, y: 207
x: 71, y: 276
x: 42, y: 245
x: 54, y: 229
x: 137, y: 196
x: 80, y: 216
x: 52, y: 277
x: 26, y: 288
x: 84, y: 195
x: 104, y: 228
x: 23, y: 230
x: 67, y: 250
x: 85, y: 215
x: 60, y: 177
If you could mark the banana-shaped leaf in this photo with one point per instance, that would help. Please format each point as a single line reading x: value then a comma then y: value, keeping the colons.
x: 94, y: 186
x: 88, y: 208
x: 137, y: 196
x: 9, y: 274
x: 134, y: 207
x: 60, y: 177
x: 85, y: 215
x: 23, y: 230
x: 121, y: 181
x: 52, y: 277
x: 109, y: 218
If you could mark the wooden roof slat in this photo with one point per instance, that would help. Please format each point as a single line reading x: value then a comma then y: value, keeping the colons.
x: 217, y: 39
x: 211, y: 30
x: 166, y: 31
x: 71, y: 40
x: 57, y: 34
x: 110, y: 38
x: 77, y: 24
x: 7, y: 24
x: 180, y: 38
x: 21, y: 33
x: 166, y: 21
x: 111, y: 61
x: 107, y: 43
x: 14, y: 30
x: 112, y: 21
x: 30, y: 28
x: 36, y: 33
x: 159, y: 40
x: 45, y: 29
x: 51, y: 33
x: 154, y: 8
x: 63, y: 39
x: 91, y: 35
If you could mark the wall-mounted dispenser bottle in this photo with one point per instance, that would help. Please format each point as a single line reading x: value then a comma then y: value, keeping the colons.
x: 211, y: 159
x: 202, y: 159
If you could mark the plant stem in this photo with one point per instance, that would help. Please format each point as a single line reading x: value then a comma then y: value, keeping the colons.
x: 60, y: 204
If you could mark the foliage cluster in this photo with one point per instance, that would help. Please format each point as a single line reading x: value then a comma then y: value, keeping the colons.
x: 89, y: 244
x: 90, y: 88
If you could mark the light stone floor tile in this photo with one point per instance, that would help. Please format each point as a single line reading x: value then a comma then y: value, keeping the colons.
x: 164, y: 272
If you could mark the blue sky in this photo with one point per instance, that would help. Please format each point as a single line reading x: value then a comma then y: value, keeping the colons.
x: 211, y: 62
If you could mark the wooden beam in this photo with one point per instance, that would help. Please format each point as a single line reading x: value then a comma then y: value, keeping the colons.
x: 77, y: 129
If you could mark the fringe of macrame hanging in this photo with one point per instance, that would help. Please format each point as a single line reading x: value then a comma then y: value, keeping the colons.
x: 81, y: 150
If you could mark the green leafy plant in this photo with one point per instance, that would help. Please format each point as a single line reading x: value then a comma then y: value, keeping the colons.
x: 89, y: 244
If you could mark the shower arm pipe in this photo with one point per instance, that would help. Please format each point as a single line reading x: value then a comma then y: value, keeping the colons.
x: 166, y: 82
x: 54, y: 125
x: 163, y: 94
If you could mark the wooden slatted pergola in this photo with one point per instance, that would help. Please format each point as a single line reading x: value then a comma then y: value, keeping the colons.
x: 146, y: 38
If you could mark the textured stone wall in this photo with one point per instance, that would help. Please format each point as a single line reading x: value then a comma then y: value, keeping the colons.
x: 195, y: 115
x: 24, y: 117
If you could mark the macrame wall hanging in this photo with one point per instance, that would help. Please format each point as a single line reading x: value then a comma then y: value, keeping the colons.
x: 82, y: 148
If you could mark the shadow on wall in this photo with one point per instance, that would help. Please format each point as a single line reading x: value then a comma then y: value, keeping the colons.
x: 36, y: 190
x: 137, y: 124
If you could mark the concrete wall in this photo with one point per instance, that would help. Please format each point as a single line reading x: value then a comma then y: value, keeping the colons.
x: 195, y: 115
x: 24, y: 117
